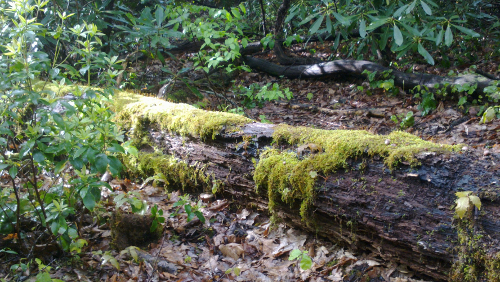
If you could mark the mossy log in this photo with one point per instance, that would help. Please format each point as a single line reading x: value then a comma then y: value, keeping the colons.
x: 391, y: 197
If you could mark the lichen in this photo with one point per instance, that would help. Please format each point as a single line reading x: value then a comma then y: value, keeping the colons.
x: 291, y: 177
x: 183, y: 119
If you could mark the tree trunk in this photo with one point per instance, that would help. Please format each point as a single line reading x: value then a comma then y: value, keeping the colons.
x: 407, y: 81
x: 404, y: 215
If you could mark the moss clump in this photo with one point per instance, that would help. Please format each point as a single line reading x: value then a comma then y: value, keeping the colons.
x: 287, y: 175
x: 183, y: 119
x: 167, y: 169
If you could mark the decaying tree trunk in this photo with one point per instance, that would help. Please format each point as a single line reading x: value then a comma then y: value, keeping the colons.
x: 403, y: 216
x: 355, y: 68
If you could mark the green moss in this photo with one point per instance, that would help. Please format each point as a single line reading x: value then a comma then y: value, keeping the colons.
x: 182, y: 119
x: 173, y: 172
x: 290, y: 177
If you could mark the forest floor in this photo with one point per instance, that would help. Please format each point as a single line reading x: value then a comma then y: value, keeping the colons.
x: 237, y: 244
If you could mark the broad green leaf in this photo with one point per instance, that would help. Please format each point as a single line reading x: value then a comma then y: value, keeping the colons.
x: 26, y: 148
x: 426, y: 8
x: 310, y: 17
x: 467, y: 31
x: 377, y: 23
x: 43, y: 277
x: 101, y: 163
x: 59, y: 121
x: 159, y: 16
x: 59, y: 166
x: 328, y: 25
x: 317, y: 24
x: 200, y: 216
x: 439, y: 37
x: 411, y: 7
x: 462, y: 206
x: 294, y: 254
x: 488, y: 115
x: 448, y: 36
x: 343, y: 20
x: 398, y: 36
x: 236, y: 12
x: 362, y: 28
x: 476, y: 201
x: 305, y: 262
x: 425, y: 54
x: 13, y: 171
x: 399, y: 11
x: 115, y: 166
x: 242, y: 8
x: 39, y: 157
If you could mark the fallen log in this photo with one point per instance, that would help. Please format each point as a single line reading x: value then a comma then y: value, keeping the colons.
x: 406, y: 81
x: 390, y: 197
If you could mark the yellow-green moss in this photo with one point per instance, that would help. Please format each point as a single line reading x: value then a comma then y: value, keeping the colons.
x: 167, y: 169
x: 287, y: 175
x: 133, y: 109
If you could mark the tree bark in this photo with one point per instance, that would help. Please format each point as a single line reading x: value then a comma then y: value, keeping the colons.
x: 403, y: 216
x: 407, y: 81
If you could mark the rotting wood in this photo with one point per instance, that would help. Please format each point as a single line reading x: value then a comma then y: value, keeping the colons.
x: 407, y: 81
x: 403, y: 216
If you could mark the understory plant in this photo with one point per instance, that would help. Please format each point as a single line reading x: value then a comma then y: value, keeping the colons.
x: 52, y: 148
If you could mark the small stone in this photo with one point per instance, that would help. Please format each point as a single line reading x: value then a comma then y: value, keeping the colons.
x: 387, y: 141
x: 486, y: 152
x: 465, y: 148
x: 107, y: 177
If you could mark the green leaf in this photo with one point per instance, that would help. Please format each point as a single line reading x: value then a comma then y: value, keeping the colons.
x: 39, y: 157
x: 116, y: 148
x: 13, y: 171
x: 310, y: 17
x: 115, y: 166
x: 377, y: 23
x: 294, y: 254
x: 467, y: 31
x: 426, y: 8
x: 317, y: 24
x: 101, y: 163
x: 362, y: 28
x: 462, y: 100
x: 398, y: 36
x: 26, y: 148
x: 79, y: 152
x: 59, y: 120
x: 60, y: 166
x: 462, y: 206
x: 399, y: 11
x: 476, y: 201
x: 411, y: 7
x: 488, y: 115
x: 343, y: 20
x: 159, y: 16
x: 439, y: 37
x: 43, y: 277
x: 305, y: 262
x: 448, y: 36
x: 200, y: 216
x: 425, y: 54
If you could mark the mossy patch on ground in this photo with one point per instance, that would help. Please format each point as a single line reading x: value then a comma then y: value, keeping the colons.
x: 292, y: 177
